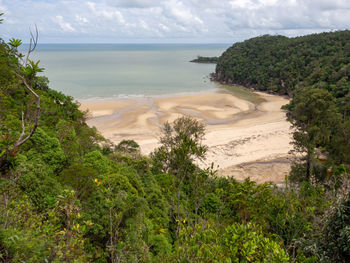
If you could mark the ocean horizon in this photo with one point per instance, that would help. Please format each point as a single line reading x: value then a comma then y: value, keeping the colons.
x: 117, y: 71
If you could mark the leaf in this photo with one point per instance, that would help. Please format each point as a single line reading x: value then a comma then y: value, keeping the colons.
x: 15, y: 43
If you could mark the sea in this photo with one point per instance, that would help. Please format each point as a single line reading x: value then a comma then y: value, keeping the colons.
x: 111, y: 71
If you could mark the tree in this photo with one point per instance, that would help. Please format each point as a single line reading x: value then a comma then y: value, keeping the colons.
x: 208, y: 242
x: 314, y: 117
x: 127, y: 147
x: 26, y: 70
x: 181, y: 145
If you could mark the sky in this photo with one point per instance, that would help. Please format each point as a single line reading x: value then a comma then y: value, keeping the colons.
x: 169, y: 21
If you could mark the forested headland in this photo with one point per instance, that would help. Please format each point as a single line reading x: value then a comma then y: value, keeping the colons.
x: 280, y: 64
x: 69, y: 195
x: 314, y: 71
x: 210, y: 60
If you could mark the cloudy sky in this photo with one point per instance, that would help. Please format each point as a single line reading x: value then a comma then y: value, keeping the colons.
x: 169, y: 21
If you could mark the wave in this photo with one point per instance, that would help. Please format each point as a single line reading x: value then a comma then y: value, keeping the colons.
x: 118, y: 97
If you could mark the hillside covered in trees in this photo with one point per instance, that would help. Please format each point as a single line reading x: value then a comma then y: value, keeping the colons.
x: 280, y: 64
x: 69, y: 195
x: 314, y: 71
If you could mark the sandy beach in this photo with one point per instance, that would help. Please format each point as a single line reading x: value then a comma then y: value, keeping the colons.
x: 246, y: 137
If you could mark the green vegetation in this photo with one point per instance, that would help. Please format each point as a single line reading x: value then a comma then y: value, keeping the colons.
x: 315, y: 71
x: 200, y: 59
x: 280, y: 64
x: 69, y: 195
x: 242, y: 93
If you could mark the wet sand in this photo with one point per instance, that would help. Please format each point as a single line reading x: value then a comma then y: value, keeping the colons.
x: 246, y: 138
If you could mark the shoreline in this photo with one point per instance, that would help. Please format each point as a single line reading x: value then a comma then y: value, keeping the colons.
x: 238, y: 131
x: 253, y: 88
x: 123, y: 97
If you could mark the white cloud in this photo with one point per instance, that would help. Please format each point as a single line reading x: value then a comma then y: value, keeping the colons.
x: 80, y: 19
x: 65, y: 26
x: 181, y: 12
x: 144, y: 25
x: 134, y: 3
x: 248, y: 4
x: 2, y: 7
x: 164, y: 27
x: 166, y: 20
x: 106, y: 13
x: 332, y: 5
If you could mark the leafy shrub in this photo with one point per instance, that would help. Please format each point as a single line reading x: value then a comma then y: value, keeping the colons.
x: 236, y: 243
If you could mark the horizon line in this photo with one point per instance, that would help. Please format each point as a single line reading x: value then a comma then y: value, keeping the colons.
x: 132, y: 43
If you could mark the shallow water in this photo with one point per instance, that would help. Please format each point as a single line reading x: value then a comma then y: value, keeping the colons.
x: 93, y: 71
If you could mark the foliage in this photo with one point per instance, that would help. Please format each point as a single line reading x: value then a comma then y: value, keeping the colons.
x: 280, y: 64
x: 55, y: 236
x: 314, y: 70
x: 336, y: 241
x: 127, y: 146
x: 235, y: 243
x: 201, y: 59
x: 314, y: 116
x: 69, y: 195
x: 181, y: 144
x: 81, y: 179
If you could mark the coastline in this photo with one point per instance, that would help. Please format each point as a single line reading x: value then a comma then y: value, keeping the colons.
x: 239, y: 130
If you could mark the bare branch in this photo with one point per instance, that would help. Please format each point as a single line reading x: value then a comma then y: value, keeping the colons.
x: 28, y: 53
x: 23, y: 128
x: 22, y: 75
x: 20, y: 140
x: 33, y: 43
x: 35, y: 40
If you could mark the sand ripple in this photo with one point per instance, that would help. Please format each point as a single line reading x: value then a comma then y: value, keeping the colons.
x: 244, y: 139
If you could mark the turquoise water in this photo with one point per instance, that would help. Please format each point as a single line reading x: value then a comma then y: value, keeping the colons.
x: 92, y: 71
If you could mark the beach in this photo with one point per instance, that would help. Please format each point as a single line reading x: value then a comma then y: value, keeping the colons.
x: 245, y: 137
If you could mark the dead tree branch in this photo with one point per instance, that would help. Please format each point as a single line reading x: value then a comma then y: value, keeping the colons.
x: 32, y: 44
x: 22, y: 139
